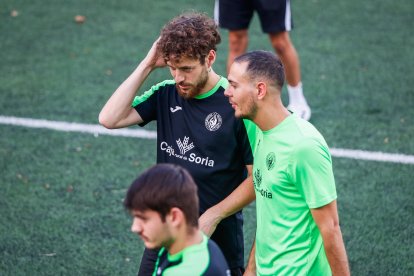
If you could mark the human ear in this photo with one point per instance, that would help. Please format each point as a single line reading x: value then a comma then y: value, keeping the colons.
x: 175, y: 216
x: 211, y: 57
x: 261, y: 90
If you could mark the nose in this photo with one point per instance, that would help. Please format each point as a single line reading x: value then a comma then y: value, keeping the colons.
x: 178, y: 77
x: 136, y: 226
x: 227, y: 92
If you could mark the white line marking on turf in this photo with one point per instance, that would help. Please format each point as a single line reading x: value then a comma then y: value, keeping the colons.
x: 76, y: 127
x: 372, y: 155
x: 147, y: 134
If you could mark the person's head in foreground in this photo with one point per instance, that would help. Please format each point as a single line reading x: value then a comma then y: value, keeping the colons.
x: 256, y: 79
x: 164, y: 204
x: 188, y: 44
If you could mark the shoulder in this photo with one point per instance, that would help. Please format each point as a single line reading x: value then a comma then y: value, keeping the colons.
x: 205, y: 258
x: 218, y: 264
x: 304, y: 135
x: 164, y: 83
x: 159, y: 87
x: 305, y: 140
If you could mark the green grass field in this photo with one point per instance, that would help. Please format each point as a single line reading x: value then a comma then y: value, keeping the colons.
x: 61, y: 193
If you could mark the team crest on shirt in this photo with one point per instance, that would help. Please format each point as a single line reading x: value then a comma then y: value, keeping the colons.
x: 270, y: 160
x: 257, y: 178
x: 213, y: 121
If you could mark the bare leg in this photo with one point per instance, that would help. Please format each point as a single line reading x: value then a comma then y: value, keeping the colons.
x: 289, y: 57
x: 238, y: 41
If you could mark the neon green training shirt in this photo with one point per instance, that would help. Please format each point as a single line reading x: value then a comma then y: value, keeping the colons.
x: 292, y: 173
x: 204, y: 259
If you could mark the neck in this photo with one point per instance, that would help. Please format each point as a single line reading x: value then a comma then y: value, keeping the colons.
x: 270, y: 115
x: 184, y: 239
x: 213, y: 78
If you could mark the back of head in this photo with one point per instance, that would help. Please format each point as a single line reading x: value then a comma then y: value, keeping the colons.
x: 263, y: 65
x: 191, y: 35
x: 163, y: 187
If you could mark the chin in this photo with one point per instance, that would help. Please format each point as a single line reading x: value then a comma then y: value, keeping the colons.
x: 238, y: 115
x: 187, y: 95
x: 150, y: 245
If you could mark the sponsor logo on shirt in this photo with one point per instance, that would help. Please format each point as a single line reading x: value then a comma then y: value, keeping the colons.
x: 213, y: 121
x: 185, y: 146
x: 173, y: 110
x: 270, y: 160
x: 257, y: 182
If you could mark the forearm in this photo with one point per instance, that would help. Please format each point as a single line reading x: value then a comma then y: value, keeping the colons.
x: 335, y: 251
x: 239, y: 198
x: 117, y: 109
x: 242, y: 196
x: 251, y: 263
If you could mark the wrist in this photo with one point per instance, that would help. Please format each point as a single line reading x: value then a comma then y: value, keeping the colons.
x: 217, y: 213
x: 147, y: 64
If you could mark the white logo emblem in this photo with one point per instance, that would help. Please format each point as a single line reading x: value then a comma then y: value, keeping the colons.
x: 176, y: 108
x: 213, y: 121
x: 184, y: 146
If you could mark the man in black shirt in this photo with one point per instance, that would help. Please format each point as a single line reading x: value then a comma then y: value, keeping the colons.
x: 196, y: 128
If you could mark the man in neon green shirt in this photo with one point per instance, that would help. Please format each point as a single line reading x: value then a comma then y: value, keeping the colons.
x: 298, y: 229
x: 164, y: 204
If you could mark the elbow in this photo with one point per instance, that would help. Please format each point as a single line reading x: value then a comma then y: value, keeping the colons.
x: 331, y: 231
x: 105, y: 121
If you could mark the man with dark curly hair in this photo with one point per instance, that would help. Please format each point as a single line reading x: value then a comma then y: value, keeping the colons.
x: 196, y: 128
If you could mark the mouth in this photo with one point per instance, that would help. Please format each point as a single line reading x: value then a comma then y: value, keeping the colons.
x: 184, y: 87
x: 233, y: 105
x: 143, y: 238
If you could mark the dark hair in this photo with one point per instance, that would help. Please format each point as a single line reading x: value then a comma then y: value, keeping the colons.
x: 163, y: 187
x: 263, y: 64
x: 190, y: 35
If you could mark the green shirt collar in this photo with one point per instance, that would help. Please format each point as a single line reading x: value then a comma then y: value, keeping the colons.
x: 222, y: 82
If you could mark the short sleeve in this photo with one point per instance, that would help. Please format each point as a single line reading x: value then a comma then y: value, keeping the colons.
x: 147, y: 103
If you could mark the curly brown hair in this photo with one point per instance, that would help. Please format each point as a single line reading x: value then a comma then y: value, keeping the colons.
x: 190, y: 35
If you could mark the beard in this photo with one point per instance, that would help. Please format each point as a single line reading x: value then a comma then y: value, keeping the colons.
x: 249, y: 111
x: 193, y: 89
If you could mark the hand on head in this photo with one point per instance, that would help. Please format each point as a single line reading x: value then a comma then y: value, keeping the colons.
x: 154, y: 57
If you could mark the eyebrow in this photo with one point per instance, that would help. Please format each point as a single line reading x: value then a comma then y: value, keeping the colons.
x: 138, y: 215
x: 181, y: 67
x: 186, y: 67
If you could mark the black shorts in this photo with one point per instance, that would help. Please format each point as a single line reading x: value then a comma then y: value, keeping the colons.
x: 274, y: 15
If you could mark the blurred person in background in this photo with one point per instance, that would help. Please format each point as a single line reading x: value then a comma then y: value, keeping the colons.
x: 276, y: 20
